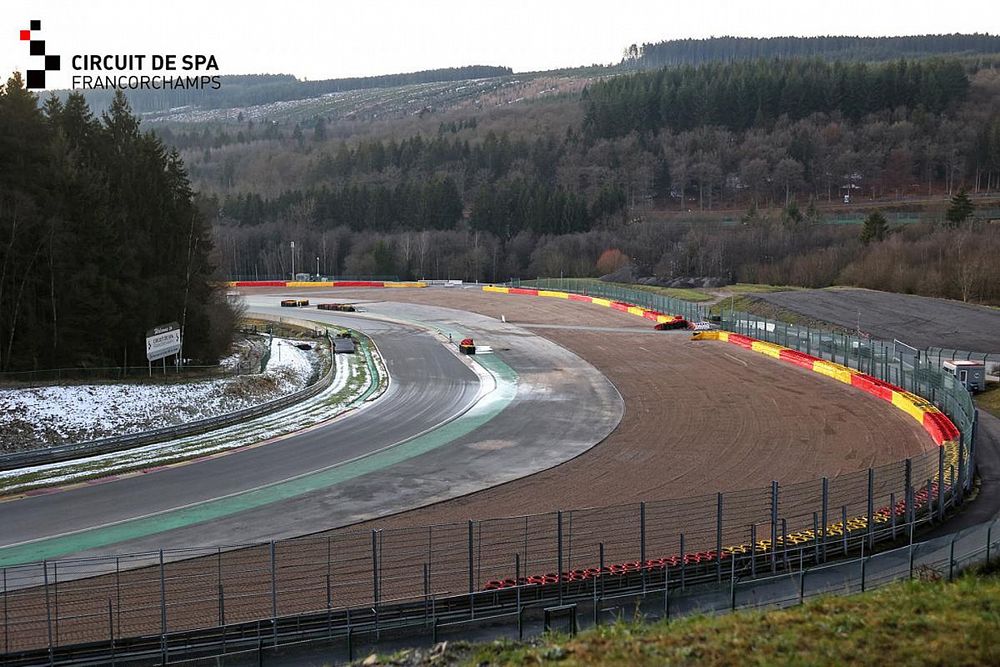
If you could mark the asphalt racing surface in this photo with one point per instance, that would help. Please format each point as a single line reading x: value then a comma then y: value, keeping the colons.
x: 919, y: 321
x: 429, y: 385
x: 425, y: 437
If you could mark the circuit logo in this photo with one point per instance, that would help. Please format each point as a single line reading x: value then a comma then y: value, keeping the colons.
x: 36, y: 77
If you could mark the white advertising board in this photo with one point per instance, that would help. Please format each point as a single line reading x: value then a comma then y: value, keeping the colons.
x: 163, y: 341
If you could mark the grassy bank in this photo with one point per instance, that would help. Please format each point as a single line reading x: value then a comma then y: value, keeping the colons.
x: 909, y: 623
x: 989, y: 400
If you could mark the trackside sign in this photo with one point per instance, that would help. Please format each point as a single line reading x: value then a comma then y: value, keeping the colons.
x: 163, y: 341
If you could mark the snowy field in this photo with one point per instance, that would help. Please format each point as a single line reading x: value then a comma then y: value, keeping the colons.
x: 45, y: 416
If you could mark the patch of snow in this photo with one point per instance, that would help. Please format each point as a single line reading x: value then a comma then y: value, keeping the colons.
x: 40, y: 416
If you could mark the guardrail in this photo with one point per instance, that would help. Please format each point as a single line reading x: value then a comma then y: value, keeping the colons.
x: 120, y: 443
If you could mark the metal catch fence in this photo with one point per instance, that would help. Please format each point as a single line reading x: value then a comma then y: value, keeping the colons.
x: 649, y: 300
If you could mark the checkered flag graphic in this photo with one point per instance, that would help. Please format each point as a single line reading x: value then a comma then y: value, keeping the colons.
x: 36, y: 77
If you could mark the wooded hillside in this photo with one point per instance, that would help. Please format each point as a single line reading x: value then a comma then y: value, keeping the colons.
x: 100, y: 240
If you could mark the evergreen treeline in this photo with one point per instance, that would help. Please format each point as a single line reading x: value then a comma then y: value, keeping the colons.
x: 539, y: 194
x: 246, y: 90
x: 432, y: 204
x: 100, y: 239
x: 411, y: 184
x: 842, y: 47
x: 754, y: 94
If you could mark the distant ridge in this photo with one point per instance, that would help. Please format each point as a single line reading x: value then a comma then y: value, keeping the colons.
x: 248, y: 89
x: 842, y: 47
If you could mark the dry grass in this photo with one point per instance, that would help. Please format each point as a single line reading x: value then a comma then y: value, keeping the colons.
x: 912, y: 623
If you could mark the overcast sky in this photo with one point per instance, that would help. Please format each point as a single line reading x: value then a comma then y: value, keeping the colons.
x: 319, y: 40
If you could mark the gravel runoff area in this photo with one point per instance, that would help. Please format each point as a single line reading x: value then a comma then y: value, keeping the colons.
x: 700, y: 417
x: 919, y: 321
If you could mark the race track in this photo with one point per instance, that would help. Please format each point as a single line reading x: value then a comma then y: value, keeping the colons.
x: 429, y: 427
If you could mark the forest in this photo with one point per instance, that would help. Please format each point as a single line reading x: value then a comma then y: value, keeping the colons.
x: 101, y: 240
x: 248, y: 89
x: 544, y: 189
x: 832, y: 47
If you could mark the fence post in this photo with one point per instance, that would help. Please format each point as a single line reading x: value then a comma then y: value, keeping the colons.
x: 930, y: 501
x: 732, y: 581
x: 642, y: 543
x: 375, y: 592
x: 48, y: 608
x: 55, y: 597
x: 908, y: 482
x: 774, y: 526
x: 989, y: 539
x: 843, y: 525
x: 753, y: 550
x: 816, y: 551
x: 961, y: 470
x: 274, y: 594
x: 951, y: 558
x: 870, y: 518
x: 666, y: 591
x: 111, y: 631
x: 163, y: 610
x: 6, y: 618
x: 864, y: 562
x: 892, y: 514
x: 784, y: 541
x: 825, y: 509
x: 559, y: 554
x: 911, y: 550
x: 600, y: 546
x: 118, y: 597
x: 718, y: 537
x: 472, y: 584
x: 683, y: 562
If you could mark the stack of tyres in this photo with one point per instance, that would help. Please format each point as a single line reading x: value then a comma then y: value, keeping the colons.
x: 467, y: 346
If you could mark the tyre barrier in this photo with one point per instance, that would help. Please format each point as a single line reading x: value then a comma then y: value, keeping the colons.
x: 621, y: 306
x: 294, y: 303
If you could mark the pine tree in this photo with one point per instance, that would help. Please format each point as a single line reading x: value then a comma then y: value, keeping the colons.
x: 961, y: 208
x: 875, y: 228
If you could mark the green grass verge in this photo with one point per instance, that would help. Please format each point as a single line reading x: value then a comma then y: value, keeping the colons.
x: 909, y: 623
x: 989, y: 400
x: 693, y: 294
x: 754, y: 288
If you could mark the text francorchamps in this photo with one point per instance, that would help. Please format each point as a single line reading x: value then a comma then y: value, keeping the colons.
x: 128, y: 71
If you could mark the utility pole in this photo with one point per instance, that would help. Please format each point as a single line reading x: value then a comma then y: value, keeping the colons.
x: 317, y: 267
x: 293, y: 259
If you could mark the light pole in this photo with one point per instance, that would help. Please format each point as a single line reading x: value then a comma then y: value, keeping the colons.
x: 293, y: 259
x: 317, y: 268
